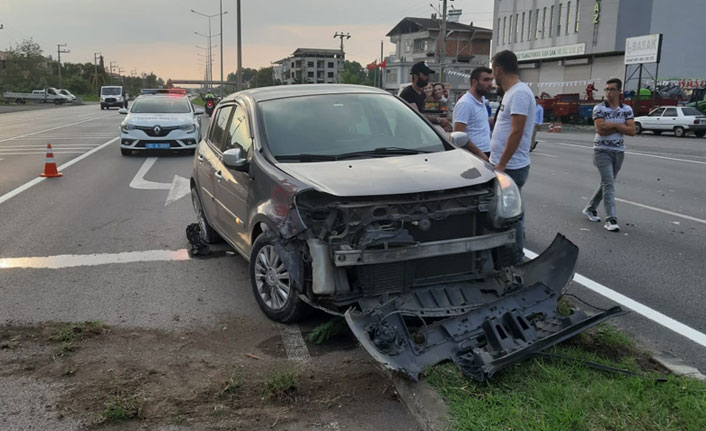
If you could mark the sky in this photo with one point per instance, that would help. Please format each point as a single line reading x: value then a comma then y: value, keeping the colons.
x: 158, y: 35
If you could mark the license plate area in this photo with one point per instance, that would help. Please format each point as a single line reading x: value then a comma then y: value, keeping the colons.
x: 153, y: 145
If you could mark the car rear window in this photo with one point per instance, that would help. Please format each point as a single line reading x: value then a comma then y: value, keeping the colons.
x: 692, y: 111
x: 161, y: 105
x: 335, y: 124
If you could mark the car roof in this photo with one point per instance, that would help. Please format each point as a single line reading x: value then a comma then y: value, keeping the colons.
x: 285, y: 91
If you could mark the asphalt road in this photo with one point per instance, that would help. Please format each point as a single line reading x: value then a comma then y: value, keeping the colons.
x: 657, y: 257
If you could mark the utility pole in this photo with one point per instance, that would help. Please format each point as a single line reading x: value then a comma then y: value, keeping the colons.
x: 221, y: 17
x: 60, y: 51
x: 111, y: 71
x: 442, y: 58
x: 120, y: 74
x: 95, y: 67
x: 239, y: 72
x: 340, y: 63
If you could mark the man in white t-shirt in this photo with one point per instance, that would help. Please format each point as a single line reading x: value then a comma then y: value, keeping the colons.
x: 512, y: 134
x: 471, y: 115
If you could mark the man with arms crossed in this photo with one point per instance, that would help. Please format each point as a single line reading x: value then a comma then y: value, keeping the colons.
x: 414, y: 95
x: 471, y: 115
x: 612, y: 120
x: 512, y: 135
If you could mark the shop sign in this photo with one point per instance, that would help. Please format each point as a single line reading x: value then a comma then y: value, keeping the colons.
x: 551, y: 52
x: 643, y: 49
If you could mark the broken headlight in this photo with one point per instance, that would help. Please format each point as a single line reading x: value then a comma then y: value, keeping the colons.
x: 508, y: 204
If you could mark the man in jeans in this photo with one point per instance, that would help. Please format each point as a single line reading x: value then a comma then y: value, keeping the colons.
x: 512, y: 135
x: 612, y: 120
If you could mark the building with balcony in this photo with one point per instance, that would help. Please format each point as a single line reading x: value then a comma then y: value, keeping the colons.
x: 419, y: 39
x: 562, y: 45
x: 309, y: 66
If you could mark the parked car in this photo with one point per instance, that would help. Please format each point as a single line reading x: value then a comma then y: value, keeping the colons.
x: 678, y: 119
x: 68, y: 94
x: 346, y: 199
x: 160, y: 122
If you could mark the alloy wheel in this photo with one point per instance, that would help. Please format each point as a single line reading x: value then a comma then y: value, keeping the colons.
x: 271, y: 278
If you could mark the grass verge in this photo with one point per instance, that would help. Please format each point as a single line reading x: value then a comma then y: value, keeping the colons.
x: 542, y: 394
x: 282, y: 386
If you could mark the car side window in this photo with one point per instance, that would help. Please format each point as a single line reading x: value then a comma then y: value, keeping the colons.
x: 218, y: 128
x: 657, y: 112
x: 238, y: 136
x: 670, y: 112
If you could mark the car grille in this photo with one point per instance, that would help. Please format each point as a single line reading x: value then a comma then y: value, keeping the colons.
x: 150, y: 130
x: 172, y: 143
x: 110, y: 99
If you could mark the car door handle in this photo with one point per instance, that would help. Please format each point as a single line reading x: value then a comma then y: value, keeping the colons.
x: 219, y: 175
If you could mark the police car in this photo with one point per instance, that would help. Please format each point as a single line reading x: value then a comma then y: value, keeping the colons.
x: 160, y: 120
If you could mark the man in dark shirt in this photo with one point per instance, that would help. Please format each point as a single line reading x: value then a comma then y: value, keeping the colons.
x: 414, y: 95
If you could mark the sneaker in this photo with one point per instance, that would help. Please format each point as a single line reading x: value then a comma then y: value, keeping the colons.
x: 611, y: 224
x: 591, y: 214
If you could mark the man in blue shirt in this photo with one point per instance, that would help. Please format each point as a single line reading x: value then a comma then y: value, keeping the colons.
x: 538, y: 120
x: 471, y: 115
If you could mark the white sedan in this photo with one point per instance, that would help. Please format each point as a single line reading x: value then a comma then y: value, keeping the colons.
x: 677, y: 119
x: 160, y: 122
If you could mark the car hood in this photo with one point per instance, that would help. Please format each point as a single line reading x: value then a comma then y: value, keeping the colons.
x: 159, y: 119
x: 392, y: 175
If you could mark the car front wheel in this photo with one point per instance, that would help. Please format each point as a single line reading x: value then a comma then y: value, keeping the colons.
x: 272, y: 285
x: 638, y: 128
x: 679, y: 132
x: 207, y: 233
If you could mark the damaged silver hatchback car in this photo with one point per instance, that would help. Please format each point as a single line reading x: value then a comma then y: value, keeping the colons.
x: 345, y: 199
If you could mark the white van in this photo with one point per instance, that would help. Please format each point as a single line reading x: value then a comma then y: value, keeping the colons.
x: 113, y: 95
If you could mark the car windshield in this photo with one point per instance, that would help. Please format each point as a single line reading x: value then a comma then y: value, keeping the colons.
x: 110, y: 91
x: 691, y: 111
x: 340, y: 124
x: 161, y: 105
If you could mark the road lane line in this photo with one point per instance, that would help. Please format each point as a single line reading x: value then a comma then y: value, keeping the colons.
x: 652, y: 314
x: 671, y: 213
x: 34, y: 182
x: 74, y: 260
x: 294, y: 344
x: 41, y: 152
x: 537, y: 153
x: 633, y: 153
x: 53, y: 128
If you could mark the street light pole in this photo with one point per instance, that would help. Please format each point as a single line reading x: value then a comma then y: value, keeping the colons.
x: 221, y: 18
x: 239, y: 72
x: 210, y: 71
x: 95, y: 66
x: 443, y: 44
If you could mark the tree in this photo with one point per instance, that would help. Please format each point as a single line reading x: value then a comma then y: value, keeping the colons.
x: 26, y: 69
x: 353, y: 73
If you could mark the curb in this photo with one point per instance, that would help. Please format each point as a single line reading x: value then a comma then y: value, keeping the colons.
x: 677, y: 366
x: 424, y: 404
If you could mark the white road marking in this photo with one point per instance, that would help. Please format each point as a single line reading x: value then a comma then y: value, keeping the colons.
x: 73, y: 260
x: 20, y: 189
x: 41, y: 152
x: 671, y: 213
x: 634, y: 153
x: 53, y: 128
x: 178, y: 188
x: 654, y: 315
x: 543, y: 154
x: 294, y: 344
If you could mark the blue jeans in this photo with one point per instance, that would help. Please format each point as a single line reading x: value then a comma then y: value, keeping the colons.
x: 608, y: 164
x: 520, y: 178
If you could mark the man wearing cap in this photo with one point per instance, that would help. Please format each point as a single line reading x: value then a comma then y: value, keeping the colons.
x: 414, y: 95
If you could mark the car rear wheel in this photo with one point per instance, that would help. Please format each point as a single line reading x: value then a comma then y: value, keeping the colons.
x: 679, y: 132
x: 700, y: 133
x: 638, y: 128
x: 272, y: 284
x: 206, y: 232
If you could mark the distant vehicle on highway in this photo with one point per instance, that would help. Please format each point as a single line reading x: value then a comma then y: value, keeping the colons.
x: 346, y: 198
x: 160, y: 122
x: 48, y: 95
x: 677, y: 119
x: 113, y: 95
x: 68, y: 94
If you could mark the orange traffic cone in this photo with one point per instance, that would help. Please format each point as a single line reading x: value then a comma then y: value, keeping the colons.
x: 49, y: 165
x: 557, y: 128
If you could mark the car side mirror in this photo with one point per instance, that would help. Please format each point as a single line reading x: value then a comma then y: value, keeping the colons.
x: 235, y: 159
x: 122, y: 111
x: 198, y: 111
x: 459, y: 139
